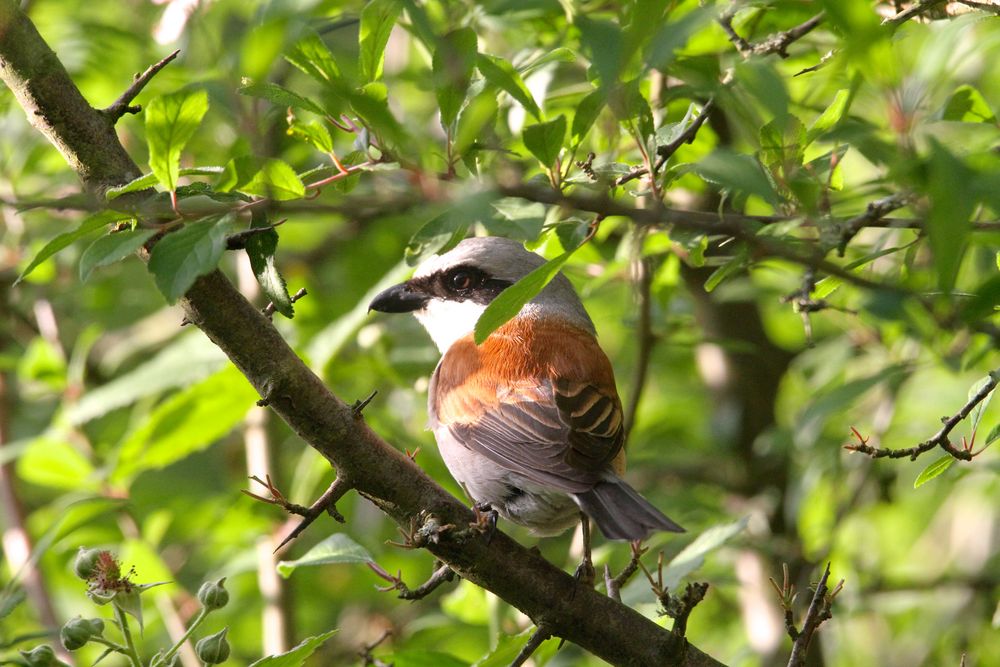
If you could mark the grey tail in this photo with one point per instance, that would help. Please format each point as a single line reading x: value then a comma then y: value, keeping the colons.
x: 621, y: 513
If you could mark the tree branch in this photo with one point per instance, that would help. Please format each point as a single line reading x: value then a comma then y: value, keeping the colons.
x: 384, y: 475
x: 123, y: 105
x: 913, y: 10
x: 777, y: 43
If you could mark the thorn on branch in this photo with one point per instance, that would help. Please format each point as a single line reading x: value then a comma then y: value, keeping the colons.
x: 326, y: 503
x: 123, y: 105
x: 358, y: 407
x: 270, y: 308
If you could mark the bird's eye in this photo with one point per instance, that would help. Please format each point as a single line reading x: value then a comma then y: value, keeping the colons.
x: 461, y: 280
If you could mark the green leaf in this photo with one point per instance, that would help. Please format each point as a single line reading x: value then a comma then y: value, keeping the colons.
x: 510, y: 301
x: 377, y: 19
x: 977, y: 412
x: 269, y: 177
x: 422, y: 658
x: 130, y: 603
x: 586, y: 114
x: 187, y: 422
x: 149, y: 180
x: 171, y: 121
x: 738, y: 172
x: 453, y: 62
x: 112, y: 248
x: 336, y: 549
x: 181, y: 257
x: 89, y: 225
x: 278, y: 95
x: 782, y: 144
x: 831, y: 116
x: 52, y: 461
x: 933, y: 470
x: 500, y: 73
x: 949, y: 190
x: 545, y: 140
x: 312, y: 56
x: 508, y: 646
x: 187, y: 360
x: 260, y: 249
x: 993, y: 435
x: 693, y: 555
x: 968, y: 105
x: 298, y: 655
x: 372, y: 105
x: 734, y: 266
x: 603, y: 41
x: 313, y: 133
x: 9, y: 599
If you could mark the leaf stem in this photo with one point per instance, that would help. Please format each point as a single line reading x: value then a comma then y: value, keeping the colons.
x: 187, y: 635
x: 130, y: 650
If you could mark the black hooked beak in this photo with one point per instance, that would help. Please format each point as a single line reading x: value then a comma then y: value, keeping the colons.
x: 400, y: 298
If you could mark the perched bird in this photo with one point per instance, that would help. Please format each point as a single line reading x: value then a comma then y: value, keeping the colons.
x: 529, y: 422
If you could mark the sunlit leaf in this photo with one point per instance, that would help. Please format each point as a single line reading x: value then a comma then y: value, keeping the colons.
x: 171, y: 121
x: 968, y: 105
x: 89, y: 225
x: 268, y: 177
x: 334, y: 550
x: 377, y: 20
x: 112, y: 248
x: 312, y: 56
x: 933, y: 470
x: 275, y: 94
x: 52, y: 461
x: 453, y: 63
x: 298, y: 655
x: 501, y: 74
x: 693, y: 555
x: 831, y: 116
x: 180, y: 258
x: 545, y: 140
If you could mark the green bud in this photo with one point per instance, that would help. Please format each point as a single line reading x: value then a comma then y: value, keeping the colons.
x: 213, y: 595
x: 213, y: 649
x: 85, y: 565
x: 78, y: 631
x: 42, y: 656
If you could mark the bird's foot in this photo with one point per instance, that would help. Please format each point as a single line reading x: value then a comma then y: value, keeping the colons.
x: 485, y: 519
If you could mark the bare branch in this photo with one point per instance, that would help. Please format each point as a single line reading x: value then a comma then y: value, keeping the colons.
x: 777, y: 43
x: 913, y: 10
x: 123, y: 105
x: 537, y: 639
x: 875, y: 211
x: 939, y: 439
x: 820, y: 610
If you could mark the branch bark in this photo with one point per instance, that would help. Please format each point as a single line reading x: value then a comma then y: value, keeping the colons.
x: 388, y: 478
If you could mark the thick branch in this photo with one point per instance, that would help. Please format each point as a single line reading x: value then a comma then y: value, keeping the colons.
x: 386, y: 476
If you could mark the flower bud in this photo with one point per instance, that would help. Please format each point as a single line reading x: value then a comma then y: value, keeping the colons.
x: 86, y: 563
x: 78, y: 631
x: 213, y: 595
x: 213, y: 649
x: 42, y: 656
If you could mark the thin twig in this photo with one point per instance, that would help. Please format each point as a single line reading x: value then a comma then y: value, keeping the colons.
x: 939, y: 439
x: 912, y: 11
x: 270, y: 308
x: 123, y: 105
x: 820, y: 610
x: 613, y: 585
x: 441, y: 575
x: 874, y: 212
x: 664, y: 152
x: 777, y: 43
x: 536, y: 640
x: 986, y: 7
x: 325, y: 503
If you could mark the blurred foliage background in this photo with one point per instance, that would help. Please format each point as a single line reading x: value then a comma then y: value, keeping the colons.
x: 122, y: 429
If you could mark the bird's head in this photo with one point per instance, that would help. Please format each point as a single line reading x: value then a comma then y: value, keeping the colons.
x: 449, y: 292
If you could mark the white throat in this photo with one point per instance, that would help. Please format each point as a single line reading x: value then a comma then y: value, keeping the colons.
x: 449, y: 321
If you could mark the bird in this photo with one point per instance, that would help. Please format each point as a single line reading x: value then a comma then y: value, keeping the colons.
x: 528, y: 422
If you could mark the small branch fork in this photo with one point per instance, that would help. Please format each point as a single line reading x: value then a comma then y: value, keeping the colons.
x: 326, y: 503
x: 676, y: 607
x: 777, y: 43
x: 939, y: 439
x: 441, y: 575
x: 913, y: 10
x: 123, y: 104
x: 613, y: 585
x: 820, y: 610
x: 664, y: 152
x: 270, y: 308
x: 874, y: 212
x: 538, y: 638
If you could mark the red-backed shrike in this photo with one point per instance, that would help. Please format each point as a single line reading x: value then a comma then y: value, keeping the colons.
x: 529, y: 422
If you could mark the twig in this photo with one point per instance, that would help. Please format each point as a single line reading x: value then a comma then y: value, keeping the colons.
x: 664, y: 152
x: 537, y: 639
x: 325, y: 503
x: 827, y: 57
x: 366, y: 651
x: 875, y: 211
x: 777, y: 43
x: 986, y: 7
x: 912, y: 11
x: 441, y: 575
x: 122, y: 105
x: 613, y: 585
x: 270, y: 308
x: 681, y: 607
x: 939, y: 439
x: 820, y: 610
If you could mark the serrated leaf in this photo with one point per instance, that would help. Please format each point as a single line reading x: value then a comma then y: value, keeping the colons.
x: 586, y: 113
x: 278, y: 95
x: 298, y: 655
x: 181, y: 257
x: 510, y: 301
x: 171, y: 121
x: 377, y: 19
x: 149, y: 180
x: 453, y: 62
x: 89, y: 225
x: 188, y: 421
x: 313, y: 58
x: 933, y: 470
x: 831, y: 116
x: 338, y: 548
x: 112, y: 248
x: 260, y: 249
x: 968, y: 105
x: 500, y: 73
x: 268, y: 177
x: 693, y: 555
x: 545, y: 140
x: 313, y: 133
